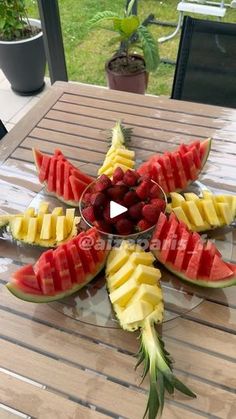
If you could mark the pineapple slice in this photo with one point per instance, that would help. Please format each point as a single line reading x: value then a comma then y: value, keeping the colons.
x: 149, y: 293
x: 46, y: 230
x: 119, y: 277
x: 61, y: 228
x: 176, y: 199
x: 138, y: 304
x: 118, y: 155
x: 124, y: 292
x: 136, y: 312
x: 190, y: 196
x: 32, y: 230
x: 116, y: 260
x: 201, y: 214
x: 136, y: 280
x: 43, y: 228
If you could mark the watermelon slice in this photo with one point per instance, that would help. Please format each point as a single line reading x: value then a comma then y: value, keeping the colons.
x: 61, y: 272
x: 60, y: 177
x: 174, y: 171
x: 190, y: 258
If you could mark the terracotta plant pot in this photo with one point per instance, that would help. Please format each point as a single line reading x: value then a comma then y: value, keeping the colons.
x: 23, y: 62
x: 129, y: 82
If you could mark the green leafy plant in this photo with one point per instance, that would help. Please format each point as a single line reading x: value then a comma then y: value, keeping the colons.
x: 14, y: 23
x: 131, y: 35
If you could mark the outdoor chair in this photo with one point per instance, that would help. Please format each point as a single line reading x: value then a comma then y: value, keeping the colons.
x: 206, y: 63
x: 3, y: 130
x: 203, y: 7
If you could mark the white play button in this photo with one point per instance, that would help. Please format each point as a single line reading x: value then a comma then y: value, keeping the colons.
x: 116, y: 209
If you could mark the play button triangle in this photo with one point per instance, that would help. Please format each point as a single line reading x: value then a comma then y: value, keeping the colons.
x: 116, y: 209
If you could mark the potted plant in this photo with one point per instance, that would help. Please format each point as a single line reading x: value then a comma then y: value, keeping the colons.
x: 22, y: 56
x: 127, y: 70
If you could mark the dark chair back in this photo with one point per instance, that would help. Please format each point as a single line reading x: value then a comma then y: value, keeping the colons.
x: 206, y: 63
x: 3, y: 130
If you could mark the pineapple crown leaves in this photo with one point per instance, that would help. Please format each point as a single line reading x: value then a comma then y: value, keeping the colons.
x: 157, y: 362
x: 125, y: 132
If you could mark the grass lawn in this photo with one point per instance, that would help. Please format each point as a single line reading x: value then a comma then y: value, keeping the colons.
x: 87, y: 50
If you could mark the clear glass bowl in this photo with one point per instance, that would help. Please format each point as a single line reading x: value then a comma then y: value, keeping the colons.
x: 115, y: 237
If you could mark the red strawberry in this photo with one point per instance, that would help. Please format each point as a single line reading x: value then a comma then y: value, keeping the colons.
x: 86, y: 197
x: 117, y: 175
x: 130, y: 198
x: 106, y: 215
x: 155, y: 191
x: 98, y: 199
x: 98, y: 212
x: 143, y: 190
x: 102, y: 183
x: 117, y: 192
x: 158, y: 203
x: 103, y: 226
x: 120, y: 182
x: 151, y: 213
x: 124, y: 226
x: 143, y: 224
x: 135, y: 211
x: 88, y: 214
x: 130, y: 177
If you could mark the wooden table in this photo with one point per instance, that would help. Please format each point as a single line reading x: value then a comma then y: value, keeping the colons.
x: 70, y: 369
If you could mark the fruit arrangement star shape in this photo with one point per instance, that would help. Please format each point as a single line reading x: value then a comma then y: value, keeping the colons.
x: 154, y: 208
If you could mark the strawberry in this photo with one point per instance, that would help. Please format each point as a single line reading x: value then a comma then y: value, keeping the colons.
x: 117, y: 192
x: 143, y: 225
x: 120, y: 182
x: 130, y: 198
x: 143, y: 190
x: 102, y: 183
x: 158, y: 203
x: 124, y: 226
x: 103, y: 226
x: 135, y: 211
x: 130, y: 177
x: 88, y: 214
x: 106, y: 214
x: 98, y: 199
x: 155, y: 191
x: 151, y: 213
x: 117, y: 175
x: 86, y: 197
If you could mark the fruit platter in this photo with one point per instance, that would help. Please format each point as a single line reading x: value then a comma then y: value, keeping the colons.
x: 116, y: 234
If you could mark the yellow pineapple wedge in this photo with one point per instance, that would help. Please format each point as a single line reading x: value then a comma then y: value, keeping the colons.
x: 205, y: 213
x: 135, y: 293
x: 42, y: 228
x: 118, y: 155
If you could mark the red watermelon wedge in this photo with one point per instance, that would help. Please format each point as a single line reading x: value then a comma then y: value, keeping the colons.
x: 60, y: 272
x: 185, y: 254
x: 61, y: 178
x: 174, y: 171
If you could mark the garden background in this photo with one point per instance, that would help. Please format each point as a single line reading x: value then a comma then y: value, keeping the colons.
x: 87, y: 50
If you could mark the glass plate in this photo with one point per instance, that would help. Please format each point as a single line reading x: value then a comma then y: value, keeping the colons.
x: 91, y: 304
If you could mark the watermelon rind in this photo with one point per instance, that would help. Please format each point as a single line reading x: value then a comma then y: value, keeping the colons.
x: 35, y: 298
x: 208, y: 143
x: 202, y: 282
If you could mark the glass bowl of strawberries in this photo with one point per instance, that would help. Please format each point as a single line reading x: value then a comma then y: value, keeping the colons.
x: 126, y: 206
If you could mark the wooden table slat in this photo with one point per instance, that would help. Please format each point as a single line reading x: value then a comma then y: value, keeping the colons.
x: 32, y: 400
